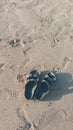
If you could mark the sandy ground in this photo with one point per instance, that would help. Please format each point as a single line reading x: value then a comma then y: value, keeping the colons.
x: 36, y: 34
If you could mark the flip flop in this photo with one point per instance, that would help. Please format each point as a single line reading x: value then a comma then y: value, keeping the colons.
x: 45, y: 87
x: 31, y: 83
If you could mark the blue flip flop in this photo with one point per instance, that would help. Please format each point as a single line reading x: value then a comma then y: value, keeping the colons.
x: 31, y: 84
x: 45, y: 86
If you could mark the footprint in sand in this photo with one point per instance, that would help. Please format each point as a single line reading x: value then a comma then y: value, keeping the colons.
x: 8, y: 94
x: 65, y: 63
x: 20, y: 77
x: 15, y: 42
x: 25, y: 51
x: 27, y: 124
x: 26, y: 16
x: 64, y: 114
x: 54, y: 42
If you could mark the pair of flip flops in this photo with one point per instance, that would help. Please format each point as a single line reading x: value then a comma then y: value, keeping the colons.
x: 35, y: 91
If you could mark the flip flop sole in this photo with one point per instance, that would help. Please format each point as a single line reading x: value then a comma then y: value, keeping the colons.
x: 41, y: 91
x: 30, y: 88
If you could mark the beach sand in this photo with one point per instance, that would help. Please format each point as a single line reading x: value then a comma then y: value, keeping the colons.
x: 36, y: 34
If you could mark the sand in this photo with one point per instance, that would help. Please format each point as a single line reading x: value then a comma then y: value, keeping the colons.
x: 36, y: 34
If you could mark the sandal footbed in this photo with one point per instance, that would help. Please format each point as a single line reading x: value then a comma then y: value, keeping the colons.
x: 30, y: 88
x: 41, y: 91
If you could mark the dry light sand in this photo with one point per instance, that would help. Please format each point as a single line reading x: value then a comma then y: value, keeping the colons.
x: 36, y: 34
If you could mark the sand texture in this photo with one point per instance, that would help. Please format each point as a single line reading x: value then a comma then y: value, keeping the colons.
x: 36, y: 34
